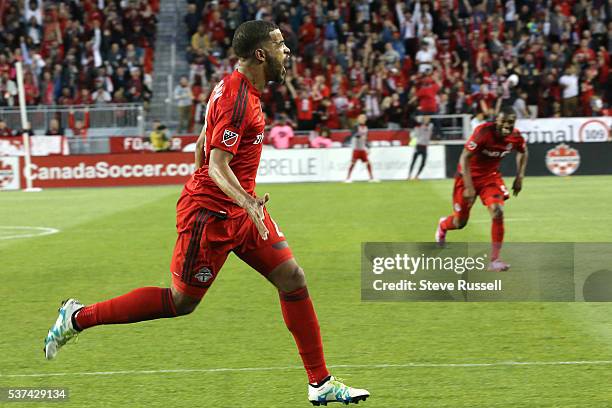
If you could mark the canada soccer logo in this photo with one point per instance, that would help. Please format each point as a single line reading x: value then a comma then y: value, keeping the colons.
x: 563, y: 160
x: 7, y: 173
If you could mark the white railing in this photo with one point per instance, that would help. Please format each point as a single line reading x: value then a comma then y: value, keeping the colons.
x: 100, y: 116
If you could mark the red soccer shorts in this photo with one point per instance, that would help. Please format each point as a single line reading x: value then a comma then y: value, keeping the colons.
x: 490, y: 189
x: 205, y: 239
x: 360, y: 155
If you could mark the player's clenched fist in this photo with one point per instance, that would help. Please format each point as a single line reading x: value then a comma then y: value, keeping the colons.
x: 517, y: 186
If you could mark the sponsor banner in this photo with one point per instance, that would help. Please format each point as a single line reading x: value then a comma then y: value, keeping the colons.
x: 111, y: 170
x: 39, y: 146
x: 547, y: 159
x: 306, y: 165
x: 566, y: 130
x: 277, y: 166
x: 185, y: 143
x: 9, y: 173
x: 122, y: 144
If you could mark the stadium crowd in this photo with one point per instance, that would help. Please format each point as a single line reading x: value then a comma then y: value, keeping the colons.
x: 77, y: 52
x: 395, y: 60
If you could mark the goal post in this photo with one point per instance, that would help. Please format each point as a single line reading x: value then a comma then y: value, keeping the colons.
x: 26, y: 137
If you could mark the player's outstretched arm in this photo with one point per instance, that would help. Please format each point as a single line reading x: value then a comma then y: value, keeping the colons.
x: 469, y: 192
x: 521, y: 165
x: 223, y: 176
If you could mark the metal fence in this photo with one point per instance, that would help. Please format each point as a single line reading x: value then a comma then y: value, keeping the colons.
x: 451, y: 127
x: 100, y: 116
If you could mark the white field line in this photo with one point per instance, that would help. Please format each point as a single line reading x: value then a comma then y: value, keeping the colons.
x: 36, y: 232
x: 345, y: 366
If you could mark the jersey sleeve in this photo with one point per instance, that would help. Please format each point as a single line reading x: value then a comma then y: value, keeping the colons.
x: 231, y: 122
x: 475, y: 142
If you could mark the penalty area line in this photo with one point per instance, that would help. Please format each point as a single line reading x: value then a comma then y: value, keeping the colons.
x: 33, y: 231
x: 290, y: 368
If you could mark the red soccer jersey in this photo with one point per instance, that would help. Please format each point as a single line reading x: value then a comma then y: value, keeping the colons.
x: 234, y: 123
x: 489, y: 148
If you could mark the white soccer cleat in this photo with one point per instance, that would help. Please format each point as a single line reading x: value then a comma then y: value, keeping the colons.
x: 63, y: 330
x: 440, y: 236
x: 497, y: 265
x: 373, y: 180
x: 334, y: 390
x: 348, y: 181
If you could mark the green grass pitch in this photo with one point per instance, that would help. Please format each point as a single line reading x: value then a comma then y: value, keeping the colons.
x: 113, y: 240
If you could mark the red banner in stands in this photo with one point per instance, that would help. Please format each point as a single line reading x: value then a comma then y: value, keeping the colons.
x: 111, y: 170
x: 123, y: 144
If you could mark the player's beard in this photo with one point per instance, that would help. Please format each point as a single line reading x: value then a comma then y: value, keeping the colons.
x: 274, y: 70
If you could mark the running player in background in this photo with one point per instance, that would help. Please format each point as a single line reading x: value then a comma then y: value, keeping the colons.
x: 359, y: 142
x: 422, y: 134
x: 218, y: 213
x: 478, y: 174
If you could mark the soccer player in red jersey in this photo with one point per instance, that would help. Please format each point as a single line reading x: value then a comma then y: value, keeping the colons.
x: 218, y: 213
x: 478, y: 174
x: 359, y: 141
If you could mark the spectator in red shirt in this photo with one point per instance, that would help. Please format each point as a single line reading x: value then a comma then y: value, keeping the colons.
x: 328, y: 114
x: 584, y: 54
x: 304, y: 106
x: 307, y: 31
x: 426, y: 96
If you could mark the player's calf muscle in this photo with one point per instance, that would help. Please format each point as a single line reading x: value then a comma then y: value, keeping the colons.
x: 460, y: 222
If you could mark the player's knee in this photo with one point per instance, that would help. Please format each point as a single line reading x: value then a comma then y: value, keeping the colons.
x: 497, y: 211
x: 293, y: 279
x: 183, y: 304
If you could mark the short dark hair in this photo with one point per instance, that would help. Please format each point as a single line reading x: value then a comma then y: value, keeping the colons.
x: 249, y: 36
x: 507, y: 111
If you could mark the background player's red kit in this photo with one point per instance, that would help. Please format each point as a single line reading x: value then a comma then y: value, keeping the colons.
x: 488, y: 149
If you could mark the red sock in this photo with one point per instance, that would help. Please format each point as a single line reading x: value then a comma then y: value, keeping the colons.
x: 301, y: 320
x: 370, y: 170
x: 497, y: 236
x: 448, y: 223
x: 138, y: 305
